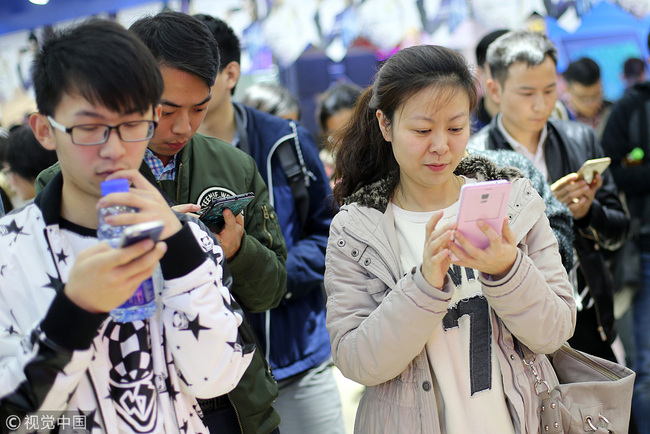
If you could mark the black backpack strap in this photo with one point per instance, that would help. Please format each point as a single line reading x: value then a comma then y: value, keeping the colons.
x: 297, y: 174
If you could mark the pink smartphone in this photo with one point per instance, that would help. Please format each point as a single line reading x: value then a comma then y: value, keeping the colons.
x: 487, y: 201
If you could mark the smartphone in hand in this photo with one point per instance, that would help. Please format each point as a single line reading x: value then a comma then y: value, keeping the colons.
x: 591, y: 167
x: 212, y: 214
x: 487, y: 201
x: 141, y: 231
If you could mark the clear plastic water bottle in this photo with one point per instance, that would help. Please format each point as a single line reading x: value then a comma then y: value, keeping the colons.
x: 142, y: 303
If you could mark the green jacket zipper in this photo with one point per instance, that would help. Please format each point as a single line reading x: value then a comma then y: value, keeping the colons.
x: 241, y: 427
x: 178, y: 182
x: 266, y: 218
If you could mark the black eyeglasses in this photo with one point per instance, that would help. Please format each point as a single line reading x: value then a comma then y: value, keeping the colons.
x: 96, y: 134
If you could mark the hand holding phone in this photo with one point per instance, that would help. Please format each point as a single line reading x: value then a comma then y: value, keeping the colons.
x: 591, y: 167
x: 212, y: 215
x: 487, y: 201
x: 141, y: 231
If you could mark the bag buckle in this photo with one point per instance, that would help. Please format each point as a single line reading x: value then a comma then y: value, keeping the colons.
x: 538, y: 380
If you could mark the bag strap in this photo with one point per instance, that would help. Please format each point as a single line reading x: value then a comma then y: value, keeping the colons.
x: 297, y: 174
x: 550, y: 417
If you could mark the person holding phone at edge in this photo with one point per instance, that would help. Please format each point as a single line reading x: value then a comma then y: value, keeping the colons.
x: 627, y: 142
x: 435, y: 340
x: 61, y: 351
x: 524, y: 83
x: 191, y: 169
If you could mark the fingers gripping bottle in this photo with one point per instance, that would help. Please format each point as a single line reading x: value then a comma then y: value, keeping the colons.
x: 142, y: 303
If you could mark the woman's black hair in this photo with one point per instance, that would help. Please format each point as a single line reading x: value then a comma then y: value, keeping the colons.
x: 363, y: 156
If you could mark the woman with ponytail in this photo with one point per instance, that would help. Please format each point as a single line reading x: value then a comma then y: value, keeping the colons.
x: 435, y: 340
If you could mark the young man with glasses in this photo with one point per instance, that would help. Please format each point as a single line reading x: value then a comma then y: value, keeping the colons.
x: 64, y: 361
x: 626, y: 140
x: 584, y: 99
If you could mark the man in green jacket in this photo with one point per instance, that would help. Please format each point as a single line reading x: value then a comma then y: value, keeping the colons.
x: 191, y: 169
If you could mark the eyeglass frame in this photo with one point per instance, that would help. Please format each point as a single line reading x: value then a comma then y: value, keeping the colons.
x: 68, y: 130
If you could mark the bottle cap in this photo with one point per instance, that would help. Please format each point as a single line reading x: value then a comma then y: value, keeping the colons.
x: 637, y: 154
x: 119, y: 185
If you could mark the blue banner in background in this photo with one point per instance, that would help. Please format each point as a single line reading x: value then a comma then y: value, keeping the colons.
x: 608, y: 35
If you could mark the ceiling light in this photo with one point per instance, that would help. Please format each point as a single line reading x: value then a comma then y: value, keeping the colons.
x: 40, y: 2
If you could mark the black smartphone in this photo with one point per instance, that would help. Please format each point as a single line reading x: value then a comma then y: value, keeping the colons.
x: 141, y: 231
x: 212, y: 214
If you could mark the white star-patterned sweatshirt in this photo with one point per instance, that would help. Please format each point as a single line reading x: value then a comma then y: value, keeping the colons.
x: 59, y: 361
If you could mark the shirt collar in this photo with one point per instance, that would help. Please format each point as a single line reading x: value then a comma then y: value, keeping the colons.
x: 241, y: 135
x: 538, y: 158
x: 160, y: 172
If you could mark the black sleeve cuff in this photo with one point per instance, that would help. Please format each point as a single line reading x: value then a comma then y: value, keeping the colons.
x: 70, y: 326
x: 585, y: 221
x: 184, y: 254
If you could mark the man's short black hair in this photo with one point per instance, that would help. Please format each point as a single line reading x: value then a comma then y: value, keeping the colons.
x: 633, y: 68
x: 339, y: 96
x: 229, y: 48
x: 484, y: 43
x: 102, y: 61
x: 584, y: 71
x: 24, y: 153
x: 180, y: 41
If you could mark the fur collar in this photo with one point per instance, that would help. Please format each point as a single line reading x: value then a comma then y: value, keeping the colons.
x: 377, y: 194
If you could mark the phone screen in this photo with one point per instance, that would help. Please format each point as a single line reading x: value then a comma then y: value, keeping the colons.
x: 142, y: 231
x: 487, y: 201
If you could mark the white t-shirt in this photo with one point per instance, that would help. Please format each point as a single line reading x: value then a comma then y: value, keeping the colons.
x: 462, y: 350
x: 538, y: 158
